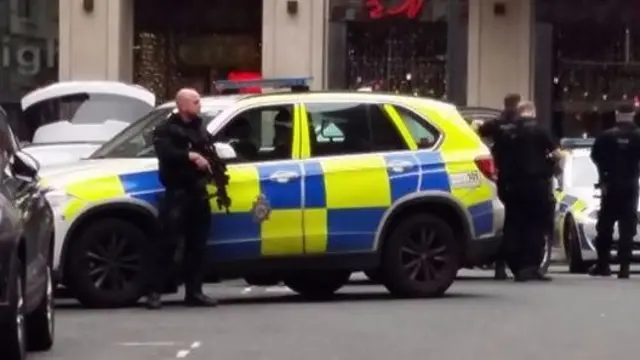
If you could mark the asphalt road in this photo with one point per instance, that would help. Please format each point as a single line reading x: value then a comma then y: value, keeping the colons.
x: 572, y: 317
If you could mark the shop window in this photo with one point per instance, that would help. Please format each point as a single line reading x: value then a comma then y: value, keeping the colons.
x: 351, y: 128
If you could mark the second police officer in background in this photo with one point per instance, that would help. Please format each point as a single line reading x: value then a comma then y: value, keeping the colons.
x: 492, y: 130
x: 185, y: 212
x: 527, y: 153
x: 616, y: 154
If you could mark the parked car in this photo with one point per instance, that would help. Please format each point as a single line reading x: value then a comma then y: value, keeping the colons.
x: 67, y: 121
x: 389, y: 183
x: 26, y: 255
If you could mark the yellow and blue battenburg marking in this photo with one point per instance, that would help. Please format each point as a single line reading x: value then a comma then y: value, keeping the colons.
x: 325, y: 205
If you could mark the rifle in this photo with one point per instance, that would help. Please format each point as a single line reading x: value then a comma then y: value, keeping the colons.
x: 218, y: 175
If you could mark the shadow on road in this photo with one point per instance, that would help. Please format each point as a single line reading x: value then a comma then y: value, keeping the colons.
x: 294, y: 299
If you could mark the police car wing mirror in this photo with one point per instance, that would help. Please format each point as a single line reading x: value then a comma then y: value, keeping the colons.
x: 225, y: 151
x: 24, y: 165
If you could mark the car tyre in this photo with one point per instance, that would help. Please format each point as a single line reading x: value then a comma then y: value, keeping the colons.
x: 572, y: 248
x: 421, y: 257
x: 41, y: 322
x: 320, y: 285
x: 99, y: 249
x: 13, y: 335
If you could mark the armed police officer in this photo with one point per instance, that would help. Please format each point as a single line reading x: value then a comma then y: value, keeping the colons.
x: 492, y: 130
x: 527, y: 153
x: 185, y: 213
x: 616, y: 153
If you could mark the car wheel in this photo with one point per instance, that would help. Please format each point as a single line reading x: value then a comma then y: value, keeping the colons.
x: 108, y: 264
x: 13, y: 336
x: 421, y: 257
x: 374, y: 275
x: 41, y: 322
x: 320, y: 285
x: 572, y: 248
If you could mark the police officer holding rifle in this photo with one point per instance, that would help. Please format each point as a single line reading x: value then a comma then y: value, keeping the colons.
x: 187, y: 163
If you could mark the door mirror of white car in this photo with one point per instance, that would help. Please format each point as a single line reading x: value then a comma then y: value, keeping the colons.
x: 25, y: 165
x: 225, y: 151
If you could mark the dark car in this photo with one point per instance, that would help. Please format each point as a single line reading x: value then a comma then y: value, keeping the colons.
x: 26, y: 250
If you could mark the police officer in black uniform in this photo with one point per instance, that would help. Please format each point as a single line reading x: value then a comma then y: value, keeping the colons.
x: 492, y: 130
x: 527, y: 153
x: 616, y: 153
x: 185, y: 213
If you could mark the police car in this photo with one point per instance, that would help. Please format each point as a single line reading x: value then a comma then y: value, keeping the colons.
x: 395, y: 184
x: 577, y: 208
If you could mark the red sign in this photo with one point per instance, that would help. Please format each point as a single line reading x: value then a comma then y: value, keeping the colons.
x: 379, y: 9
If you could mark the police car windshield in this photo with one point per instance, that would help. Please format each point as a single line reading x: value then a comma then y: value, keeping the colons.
x: 136, y: 140
x: 583, y: 171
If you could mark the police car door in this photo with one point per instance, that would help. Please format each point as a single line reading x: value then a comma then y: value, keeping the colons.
x: 358, y: 164
x: 265, y: 186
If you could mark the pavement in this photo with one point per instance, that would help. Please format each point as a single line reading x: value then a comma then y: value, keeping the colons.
x: 572, y: 317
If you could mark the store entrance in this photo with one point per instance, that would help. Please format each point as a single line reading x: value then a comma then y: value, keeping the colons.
x: 194, y: 42
x: 589, y: 60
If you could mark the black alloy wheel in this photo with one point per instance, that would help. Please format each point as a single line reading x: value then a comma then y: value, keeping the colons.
x: 113, y: 261
x: 421, y: 258
x: 109, y: 264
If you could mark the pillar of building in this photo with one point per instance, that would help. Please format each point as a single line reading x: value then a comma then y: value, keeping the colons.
x: 96, y: 43
x: 293, y: 42
x: 500, y: 52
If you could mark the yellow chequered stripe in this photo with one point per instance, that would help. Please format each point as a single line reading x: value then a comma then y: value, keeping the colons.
x: 90, y: 191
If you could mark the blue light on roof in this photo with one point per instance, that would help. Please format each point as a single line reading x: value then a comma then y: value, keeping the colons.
x: 275, y: 83
x: 576, y: 142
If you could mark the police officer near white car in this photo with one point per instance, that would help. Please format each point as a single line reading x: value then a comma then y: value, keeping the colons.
x: 616, y: 154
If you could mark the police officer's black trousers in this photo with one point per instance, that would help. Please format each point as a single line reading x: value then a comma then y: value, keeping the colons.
x: 185, y: 221
x: 529, y: 208
x: 617, y: 205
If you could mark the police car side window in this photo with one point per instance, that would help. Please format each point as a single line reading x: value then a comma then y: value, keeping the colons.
x: 351, y: 128
x: 423, y: 133
x: 260, y: 134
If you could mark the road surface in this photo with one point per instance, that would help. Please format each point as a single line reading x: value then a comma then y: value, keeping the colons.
x: 572, y: 317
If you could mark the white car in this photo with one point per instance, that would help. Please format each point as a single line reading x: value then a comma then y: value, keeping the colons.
x: 577, y: 208
x: 67, y: 121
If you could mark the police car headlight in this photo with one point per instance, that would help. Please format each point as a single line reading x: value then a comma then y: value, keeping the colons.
x: 57, y: 198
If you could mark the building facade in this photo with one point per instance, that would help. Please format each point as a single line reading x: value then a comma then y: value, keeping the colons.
x: 576, y: 65
x: 28, y: 49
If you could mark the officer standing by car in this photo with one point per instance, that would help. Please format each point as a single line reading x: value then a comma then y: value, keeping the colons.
x: 616, y: 154
x: 527, y: 153
x: 492, y: 130
x: 185, y: 213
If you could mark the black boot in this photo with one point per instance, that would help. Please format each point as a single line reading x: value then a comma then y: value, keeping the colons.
x: 600, y: 269
x: 199, y: 300
x: 500, y: 270
x: 624, y: 271
x: 154, y: 301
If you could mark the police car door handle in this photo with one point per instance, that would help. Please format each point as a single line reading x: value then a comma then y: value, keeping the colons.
x: 399, y: 166
x: 283, y: 176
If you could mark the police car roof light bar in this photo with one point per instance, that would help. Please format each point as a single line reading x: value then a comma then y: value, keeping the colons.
x: 576, y: 142
x: 294, y: 83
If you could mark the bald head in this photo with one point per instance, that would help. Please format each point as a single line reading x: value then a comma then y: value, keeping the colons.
x: 188, y: 103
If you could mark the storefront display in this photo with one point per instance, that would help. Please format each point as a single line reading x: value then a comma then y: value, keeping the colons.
x: 193, y: 43
x: 401, y: 46
x: 594, y: 61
